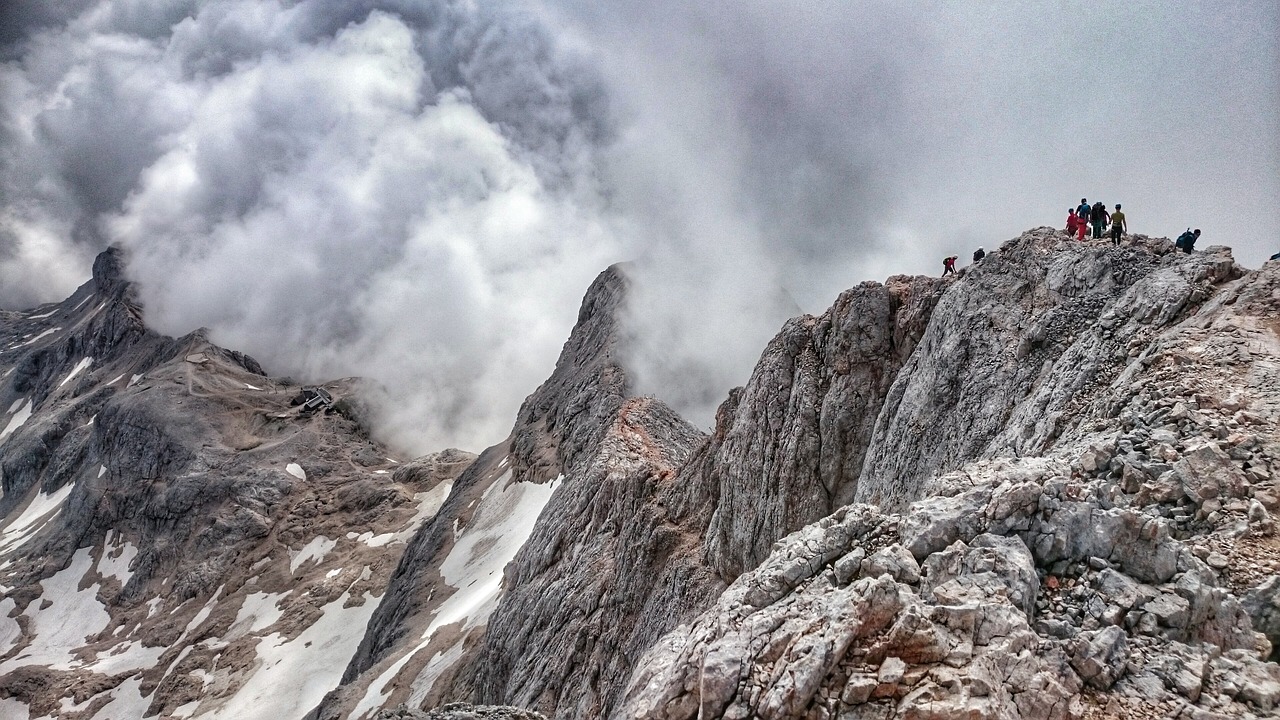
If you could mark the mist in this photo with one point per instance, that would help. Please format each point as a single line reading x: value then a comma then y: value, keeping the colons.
x: 419, y: 192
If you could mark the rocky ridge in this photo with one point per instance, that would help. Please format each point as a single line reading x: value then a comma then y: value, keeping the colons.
x: 178, y: 538
x: 1043, y: 488
x: 1124, y: 568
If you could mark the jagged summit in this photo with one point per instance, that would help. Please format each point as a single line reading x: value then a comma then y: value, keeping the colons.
x: 108, y: 269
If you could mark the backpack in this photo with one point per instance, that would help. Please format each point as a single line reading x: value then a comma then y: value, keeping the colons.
x: 1083, y: 211
x: 1185, y: 240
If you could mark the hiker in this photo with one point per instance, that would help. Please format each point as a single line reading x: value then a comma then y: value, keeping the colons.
x: 1098, y: 216
x: 949, y: 265
x: 1276, y: 256
x: 1073, y: 222
x: 1186, y: 242
x: 1082, y: 210
x: 1118, y: 226
x: 979, y: 254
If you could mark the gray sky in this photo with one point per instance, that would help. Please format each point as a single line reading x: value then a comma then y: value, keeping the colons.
x: 420, y: 191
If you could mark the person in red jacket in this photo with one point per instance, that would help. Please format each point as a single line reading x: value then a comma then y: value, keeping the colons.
x: 1073, y: 223
x: 949, y: 265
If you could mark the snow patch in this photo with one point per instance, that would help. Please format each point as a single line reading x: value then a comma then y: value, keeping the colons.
x: 127, y: 702
x: 79, y: 368
x: 43, y: 315
x: 252, y: 387
x: 127, y: 657
x: 296, y: 470
x: 46, y: 333
x: 372, y: 540
x: 200, y: 616
x: 317, y: 549
x: 14, y: 709
x: 41, y: 510
x: 185, y: 711
x: 16, y: 404
x: 102, y: 470
x: 17, y: 421
x: 297, y: 674
x: 115, y: 561
x: 9, y: 628
x: 116, y: 379
x: 133, y: 381
x: 82, y: 303
x: 498, y: 529
x: 259, y: 611
x: 71, y: 616
x: 434, y: 669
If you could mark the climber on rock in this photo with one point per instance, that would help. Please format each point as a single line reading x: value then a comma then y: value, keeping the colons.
x: 1118, y: 226
x: 1186, y: 242
x: 979, y: 254
x: 949, y: 265
x: 1082, y: 210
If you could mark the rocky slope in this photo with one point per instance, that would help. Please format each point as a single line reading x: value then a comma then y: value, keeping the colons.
x: 1017, y: 374
x: 1093, y: 536
x: 178, y: 540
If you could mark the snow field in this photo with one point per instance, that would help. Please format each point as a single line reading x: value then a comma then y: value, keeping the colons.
x: 501, y: 525
x: 296, y: 470
x: 69, y: 615
x: 296, y: 674
x: 17, y: 421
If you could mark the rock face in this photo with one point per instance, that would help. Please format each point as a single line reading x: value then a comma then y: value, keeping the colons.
x: 1132, y: 554
x: 178, y: 539
x: 1044, y: 488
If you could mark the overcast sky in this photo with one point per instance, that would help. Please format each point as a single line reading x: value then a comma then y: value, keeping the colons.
x: 419, y: 192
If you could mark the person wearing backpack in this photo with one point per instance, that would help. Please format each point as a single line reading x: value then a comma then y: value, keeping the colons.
x: 1186, y: 242
x: 1082, y: 210
x: 949, y: 265
x: 1098, y: 216
x: 979, y: 254
x: 1118, y: 226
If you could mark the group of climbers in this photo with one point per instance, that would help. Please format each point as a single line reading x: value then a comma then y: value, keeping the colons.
x: 1080, y: 218
x: 1085, y: 216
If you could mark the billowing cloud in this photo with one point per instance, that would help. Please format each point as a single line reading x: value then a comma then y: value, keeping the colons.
x: 419, y: 191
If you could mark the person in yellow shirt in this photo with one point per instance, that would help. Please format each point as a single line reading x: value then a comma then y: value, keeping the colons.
x: 1118, y: 226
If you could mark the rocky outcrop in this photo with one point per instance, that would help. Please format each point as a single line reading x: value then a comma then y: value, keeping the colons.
x: 1135, y: 558
x: 789, y: 446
